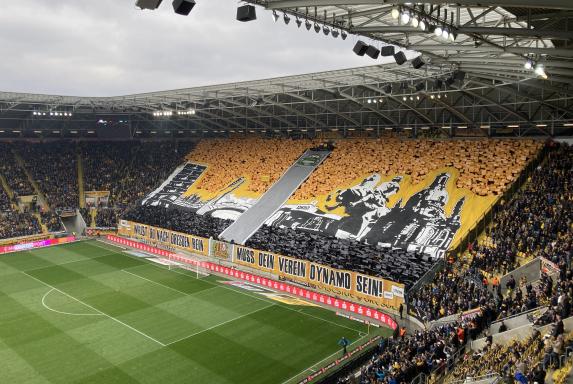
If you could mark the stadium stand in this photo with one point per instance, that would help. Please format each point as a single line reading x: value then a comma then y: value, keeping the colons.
x: 486, y: 166
x: 401, y: 359
x: 15, y: 224
x: 52, y: 221
x: 542, y: 230
x: 261, y: 161
x: 393, y: 264
x: 128, y: 170
x: 177, y: 220
x: 15, y: 176
x: 53, y: 166
x: 539, y: 217
x: 5, y: 203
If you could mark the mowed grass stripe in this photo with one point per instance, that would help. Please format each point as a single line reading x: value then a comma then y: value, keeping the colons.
x: 54, y: 355
x: 225, y: 335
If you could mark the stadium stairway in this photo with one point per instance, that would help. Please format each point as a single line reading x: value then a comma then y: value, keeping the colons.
x: 42, y: 201
x: 81, y: 192
x: 251, y: 220
x: 4, y: 184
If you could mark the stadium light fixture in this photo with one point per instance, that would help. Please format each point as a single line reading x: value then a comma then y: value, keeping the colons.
x: 405, y: 17
x: 325, y: 30
x: 286, y: 18
x: 422, y: 25
x: 307, y: 24
x: 275, y: 16
x: 335, y: 33
x: 445, y: 33
x: 395, y: 13
x: 540, y: 71
x: 298, y: 22
x: 316, y: 28
x: 343, y: 34
x: 438, y: 31
x: 528, y: 64
x: 415, y: 21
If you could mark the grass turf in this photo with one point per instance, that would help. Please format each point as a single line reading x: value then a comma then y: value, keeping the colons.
x: 88, y: 313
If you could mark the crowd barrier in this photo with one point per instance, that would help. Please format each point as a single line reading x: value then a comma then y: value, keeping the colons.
x: 36, y: 244
x: 364, y: 289
x: 340, y: 304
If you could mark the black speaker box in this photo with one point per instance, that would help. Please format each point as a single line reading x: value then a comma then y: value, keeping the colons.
x: 246, y: 13
x: 360, y: 48
x: 418, y: 63
x: 387, y: 51
x: 148, y: 4
x: 183, y: 7
x: 372, y: 51
x: 400, y: 58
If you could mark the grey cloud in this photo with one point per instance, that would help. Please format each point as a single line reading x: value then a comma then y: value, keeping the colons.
x: 108, y: 47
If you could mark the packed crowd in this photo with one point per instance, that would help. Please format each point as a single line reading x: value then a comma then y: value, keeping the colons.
x: 537, y: 220
x: 393, y: 264
x: 128, y: 170
x: 540, y: 217
x: 107, y: 217
x: 177, y: 220
x: 51, y: 221
x: 15, y: 224
x: 14, y: 174
x: 54, y: 167
x: 402, y: 358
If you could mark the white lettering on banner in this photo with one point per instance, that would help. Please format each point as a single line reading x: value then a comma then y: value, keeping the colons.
x: 398, y: 291
x: 368, y: 286
x: 266, y: 260
x: 292, y: 267
x: 246, y: 255
x: 331, y: 277
x: 197, y: 244
x: 140, y: 230
x: 388, y: 295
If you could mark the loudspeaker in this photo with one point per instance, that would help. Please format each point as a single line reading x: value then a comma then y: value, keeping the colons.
x: 246, y: 13
x: 400, y: 58
x: 372, y: 51
x: 387, y: 89
x: 148, y: 4
x: 418, y: 63
x: 419, y: 87
x: 360, y: 48
x: 387, y: 51
x: 183, y: 7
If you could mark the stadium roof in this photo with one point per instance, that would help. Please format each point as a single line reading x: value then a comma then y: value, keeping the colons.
x: 494, y: 37
x: 381, y: 96
x: 477, y: 80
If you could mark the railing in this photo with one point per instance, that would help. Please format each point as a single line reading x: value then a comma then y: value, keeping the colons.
x: 494, y: 377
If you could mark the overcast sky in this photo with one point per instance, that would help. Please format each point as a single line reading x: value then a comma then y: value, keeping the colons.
x: 109, y: 47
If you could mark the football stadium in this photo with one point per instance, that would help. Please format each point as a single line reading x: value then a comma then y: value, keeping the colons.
x: 286, y: 192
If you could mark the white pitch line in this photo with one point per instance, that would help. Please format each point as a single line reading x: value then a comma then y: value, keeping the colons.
x: 328, y: 321
x: 312, y: 366
x: 97, y: 310
x: 166, y: 286
x: 62, y: 312
x: 220, y: 324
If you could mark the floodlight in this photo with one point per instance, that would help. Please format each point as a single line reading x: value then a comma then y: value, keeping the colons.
x: 275, y: 16
x: 286, y: 18
x: 343, y: 35
x: 438, y: 31
x: 415, y: 22
x: 528, y: 64
x: 405, y: 17
x: 316, y: 28
x: 308, y: 25
x: 395, y: 13
x: 298, y: 22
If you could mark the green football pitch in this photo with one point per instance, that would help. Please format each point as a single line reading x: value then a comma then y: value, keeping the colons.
x: 87, y: 312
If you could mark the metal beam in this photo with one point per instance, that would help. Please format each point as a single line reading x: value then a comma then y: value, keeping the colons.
x: 354, y: 122
x: 296, y: 112
x: 549, y: 4
x: 489, y: 49
x: 537, y: 33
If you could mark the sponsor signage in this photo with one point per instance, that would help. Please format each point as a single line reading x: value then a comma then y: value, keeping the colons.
x: 340, y: 304
x: 165, y: 238
x: 368, y: 290
x: 35, y: 244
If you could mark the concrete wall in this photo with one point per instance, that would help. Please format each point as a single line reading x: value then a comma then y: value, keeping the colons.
x: 531, y: 270
x: 517, y: 321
